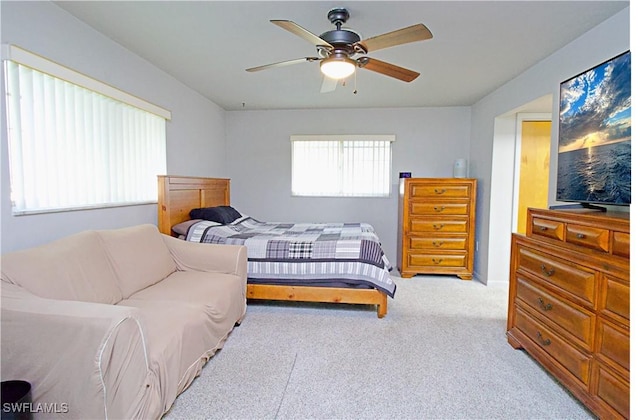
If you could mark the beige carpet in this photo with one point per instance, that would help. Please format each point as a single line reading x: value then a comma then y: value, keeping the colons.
x: 440, y: 353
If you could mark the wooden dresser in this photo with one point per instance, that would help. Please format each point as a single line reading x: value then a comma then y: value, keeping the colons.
x: 569, y: 302
x: 436, y: 231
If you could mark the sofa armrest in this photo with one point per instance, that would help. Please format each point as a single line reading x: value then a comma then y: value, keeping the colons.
x: 230, y: 259
x: 86, y: 360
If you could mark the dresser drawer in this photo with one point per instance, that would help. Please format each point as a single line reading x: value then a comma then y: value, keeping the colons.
x: 616, y: 299
x: 588, y: 237
x: 419, y: 208
x: 434, y: 260
x: 573, y: 319
x: 439, y: 190
x: 613, y: 344
x: 547, y: 228
x: 621, y: 244
x: 438, y: 225
x: 572, y: 278
x: 576, y: 362
x: 435, y: 242
x: 612, y: 390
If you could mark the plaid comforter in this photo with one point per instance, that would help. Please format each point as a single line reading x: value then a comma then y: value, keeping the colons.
x: 312, y: 252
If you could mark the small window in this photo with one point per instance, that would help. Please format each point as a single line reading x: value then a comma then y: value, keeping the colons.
x: 341, y: 165
x: 75, y: 142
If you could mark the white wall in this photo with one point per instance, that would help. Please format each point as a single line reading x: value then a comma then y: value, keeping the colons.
x: 428, y: 140
x: 599, y: 44
x: 195, y: 135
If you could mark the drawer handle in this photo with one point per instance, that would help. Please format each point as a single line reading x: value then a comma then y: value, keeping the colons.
x: 439, y: 209
x: 543, y: 341
x: 543, y: 228
x: 544, y: 306
x: 437, y: 244
x: 440, y: 190
x: 547, y: 272
x: 581, y: 236
x: 438, y: 227
x: 438, y: 261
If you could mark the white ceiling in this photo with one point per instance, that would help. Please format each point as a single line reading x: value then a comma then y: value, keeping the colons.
x: 477, y: 46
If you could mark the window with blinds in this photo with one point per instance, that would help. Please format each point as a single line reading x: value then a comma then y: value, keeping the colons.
x: 341, y: 165
x: 76, y: 143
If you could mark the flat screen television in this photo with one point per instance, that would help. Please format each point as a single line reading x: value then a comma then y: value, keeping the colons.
x: 594, y: 140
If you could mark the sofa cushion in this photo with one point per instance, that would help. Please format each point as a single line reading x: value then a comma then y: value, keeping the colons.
x: 139, y: 256
x: 73, y: 268
x: 223, y: 294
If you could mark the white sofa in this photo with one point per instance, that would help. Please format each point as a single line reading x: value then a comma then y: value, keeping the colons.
x: 117, y: 323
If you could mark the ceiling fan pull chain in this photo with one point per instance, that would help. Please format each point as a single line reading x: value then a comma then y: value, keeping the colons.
x: 355, y: 82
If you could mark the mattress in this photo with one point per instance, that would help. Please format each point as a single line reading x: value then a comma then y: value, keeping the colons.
x: 314, y: 254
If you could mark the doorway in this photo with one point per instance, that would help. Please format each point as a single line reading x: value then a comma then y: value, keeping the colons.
x: 505, y: 183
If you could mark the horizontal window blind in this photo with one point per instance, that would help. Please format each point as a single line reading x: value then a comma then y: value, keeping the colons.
x: 71, y: 147
x: 343, y: 166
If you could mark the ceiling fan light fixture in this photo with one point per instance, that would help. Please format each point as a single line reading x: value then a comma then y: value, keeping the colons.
x: 337, y: 68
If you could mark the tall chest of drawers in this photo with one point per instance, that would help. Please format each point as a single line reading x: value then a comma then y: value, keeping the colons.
x: 436, y: 229
x: 569, y: 302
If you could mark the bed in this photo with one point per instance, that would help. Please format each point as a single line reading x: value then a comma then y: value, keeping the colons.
x: 178, y: 195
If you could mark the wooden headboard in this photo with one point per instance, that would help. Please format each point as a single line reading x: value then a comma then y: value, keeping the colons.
x: 178, y: 195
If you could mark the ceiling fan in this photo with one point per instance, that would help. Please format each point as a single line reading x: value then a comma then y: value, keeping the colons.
x: 341, y: 50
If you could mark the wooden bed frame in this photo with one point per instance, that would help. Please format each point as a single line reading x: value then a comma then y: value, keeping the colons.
x: 177, y: 195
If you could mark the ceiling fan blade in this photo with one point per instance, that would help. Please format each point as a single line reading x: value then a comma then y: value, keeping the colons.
x: 283, y: 63
x: 296, y: 29
x: 328, y: 84
x: 414, y: 33
x: 387, y: 69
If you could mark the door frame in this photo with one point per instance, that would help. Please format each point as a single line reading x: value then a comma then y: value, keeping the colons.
x: 505, y: 132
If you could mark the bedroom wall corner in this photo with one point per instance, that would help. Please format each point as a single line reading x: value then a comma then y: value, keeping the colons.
x: 196, y: 129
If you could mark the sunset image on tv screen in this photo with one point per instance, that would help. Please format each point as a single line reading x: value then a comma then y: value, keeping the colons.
x: 594, y: 143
